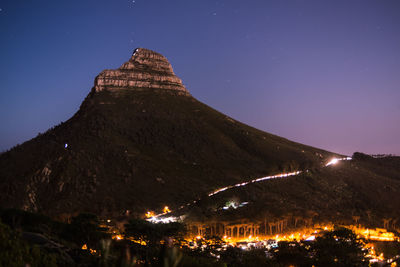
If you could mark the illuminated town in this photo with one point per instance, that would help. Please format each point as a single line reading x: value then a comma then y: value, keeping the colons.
x: 248, y: 236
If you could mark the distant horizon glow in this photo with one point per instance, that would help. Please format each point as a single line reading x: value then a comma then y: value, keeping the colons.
x: 325, y: 74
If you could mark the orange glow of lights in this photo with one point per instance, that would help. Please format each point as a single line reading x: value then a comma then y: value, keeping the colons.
x: 166, y: 209
x: 150, y: 214
x: 92, y: 251
x: 378, y: 234
x: 198, y: 237
x: 138, y: 241
x: 117, y: 237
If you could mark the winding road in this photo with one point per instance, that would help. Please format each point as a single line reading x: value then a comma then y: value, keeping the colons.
x: 161, y: 217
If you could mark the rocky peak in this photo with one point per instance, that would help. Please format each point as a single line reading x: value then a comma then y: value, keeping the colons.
x: 145, y: 69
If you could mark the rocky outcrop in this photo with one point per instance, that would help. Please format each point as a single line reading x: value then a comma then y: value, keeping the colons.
x: 145, y: 69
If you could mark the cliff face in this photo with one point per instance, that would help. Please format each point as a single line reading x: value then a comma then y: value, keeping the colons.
x: 145, y: 69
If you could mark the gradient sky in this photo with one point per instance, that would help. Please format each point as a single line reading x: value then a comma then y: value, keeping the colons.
x: 324, y: 73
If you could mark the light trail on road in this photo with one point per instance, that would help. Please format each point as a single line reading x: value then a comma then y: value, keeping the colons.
x: 255, y: 181
x: 281, y: 175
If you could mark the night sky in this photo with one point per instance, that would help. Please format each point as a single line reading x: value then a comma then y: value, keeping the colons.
x: 323, y: 73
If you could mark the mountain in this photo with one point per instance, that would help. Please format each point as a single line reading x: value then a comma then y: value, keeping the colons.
x: 141, y: 141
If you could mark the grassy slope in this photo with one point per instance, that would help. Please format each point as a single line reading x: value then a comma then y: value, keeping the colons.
x: 141, y: 150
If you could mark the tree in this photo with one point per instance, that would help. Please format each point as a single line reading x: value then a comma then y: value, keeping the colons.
x: 292, y: 253
x: 152, y: 234
x: 340, y: 247
x: 16, y: 252
x: 85, y: 229
x: 232, y: 256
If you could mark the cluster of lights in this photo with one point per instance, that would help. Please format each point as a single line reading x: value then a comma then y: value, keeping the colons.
x: 380, y: 258
x: 378, y: 234
x: 160, y: 218
x: 157, y: 219
x: 117, y: 237
x: 150, y: 214
x: 336, y: 160
x: 308, y: 235
x: 166, y: 209
x: 92, y: 251
x: 232, y: 204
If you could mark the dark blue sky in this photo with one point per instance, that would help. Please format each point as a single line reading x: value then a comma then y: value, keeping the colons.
x: 324, y: 73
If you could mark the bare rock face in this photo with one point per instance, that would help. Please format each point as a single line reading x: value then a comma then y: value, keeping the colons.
x: 145, y: 69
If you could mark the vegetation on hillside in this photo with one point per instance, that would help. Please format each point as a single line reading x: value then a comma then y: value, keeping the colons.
x: 359, y: 188
x: 141, y: 150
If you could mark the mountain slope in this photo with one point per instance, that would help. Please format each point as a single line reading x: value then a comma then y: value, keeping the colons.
x: 139, y: 141
x: 367, y: 188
